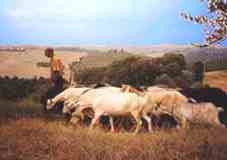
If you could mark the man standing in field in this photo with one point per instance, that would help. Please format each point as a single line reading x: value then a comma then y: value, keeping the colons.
x: 56, y: 73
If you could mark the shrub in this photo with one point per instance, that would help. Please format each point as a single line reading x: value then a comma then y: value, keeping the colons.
x: 169, y: 58
x: 89, y: 75
x: 135, y: 71
x: 181, y: 82
x: 198, y: 69
x: 215, y: 65
x: 43, y: 64
x: 188, y: 75
x: 172, y: 69
x: 132, y: 70
x: 166, y: 80
x: 200, y: 85
x: 18, y: 88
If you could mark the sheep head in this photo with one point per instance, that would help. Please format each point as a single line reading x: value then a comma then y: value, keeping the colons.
x: 50, y: 104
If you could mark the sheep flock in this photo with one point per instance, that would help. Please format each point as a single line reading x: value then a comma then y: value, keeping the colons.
x: 140, y: 104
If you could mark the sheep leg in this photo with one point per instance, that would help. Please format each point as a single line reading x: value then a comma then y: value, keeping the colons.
x: 94, y: 120
x: 66, y: 109
x: 74, y: 120
x: 148, y: 119
x: 218, y: 123
x: 137, y: 117
x: 77, y: 115
x: 111, y: 123
x: 184, y: 123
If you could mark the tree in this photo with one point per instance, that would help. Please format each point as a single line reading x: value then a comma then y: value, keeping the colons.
x: 170, y: 58
x: 215, y: 22
x: 198, y: 69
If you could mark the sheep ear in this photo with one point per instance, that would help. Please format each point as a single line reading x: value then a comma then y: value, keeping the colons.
x: 192, y: 100
x: 220, y: 109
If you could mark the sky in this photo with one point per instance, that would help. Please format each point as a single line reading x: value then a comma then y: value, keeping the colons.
x: 99, y: 22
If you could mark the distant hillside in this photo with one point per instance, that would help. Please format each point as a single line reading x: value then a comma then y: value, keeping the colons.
x: 78, y: 49
x: 205, y: 54
x: 214, y: 58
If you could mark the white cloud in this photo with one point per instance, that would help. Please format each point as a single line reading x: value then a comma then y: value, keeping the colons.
x: 59, y: 9
x: 85, y: 19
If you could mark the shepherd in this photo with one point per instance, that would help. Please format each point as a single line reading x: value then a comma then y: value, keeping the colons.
x: 56, y: 74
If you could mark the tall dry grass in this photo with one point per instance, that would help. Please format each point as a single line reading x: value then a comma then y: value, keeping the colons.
x: 37, y: 137
x: 29, y: 138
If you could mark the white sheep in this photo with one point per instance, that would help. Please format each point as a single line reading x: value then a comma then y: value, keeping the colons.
x: 112, y: 101
x: 86, y: 100
x: 206, y: 113
x: 65, y: 95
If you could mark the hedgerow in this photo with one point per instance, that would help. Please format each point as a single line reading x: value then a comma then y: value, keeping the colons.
x: 136, y: 71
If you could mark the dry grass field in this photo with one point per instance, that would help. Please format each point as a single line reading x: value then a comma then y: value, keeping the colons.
x: 24, y: 64
x: 217, y: 79
x: 28, y: 134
